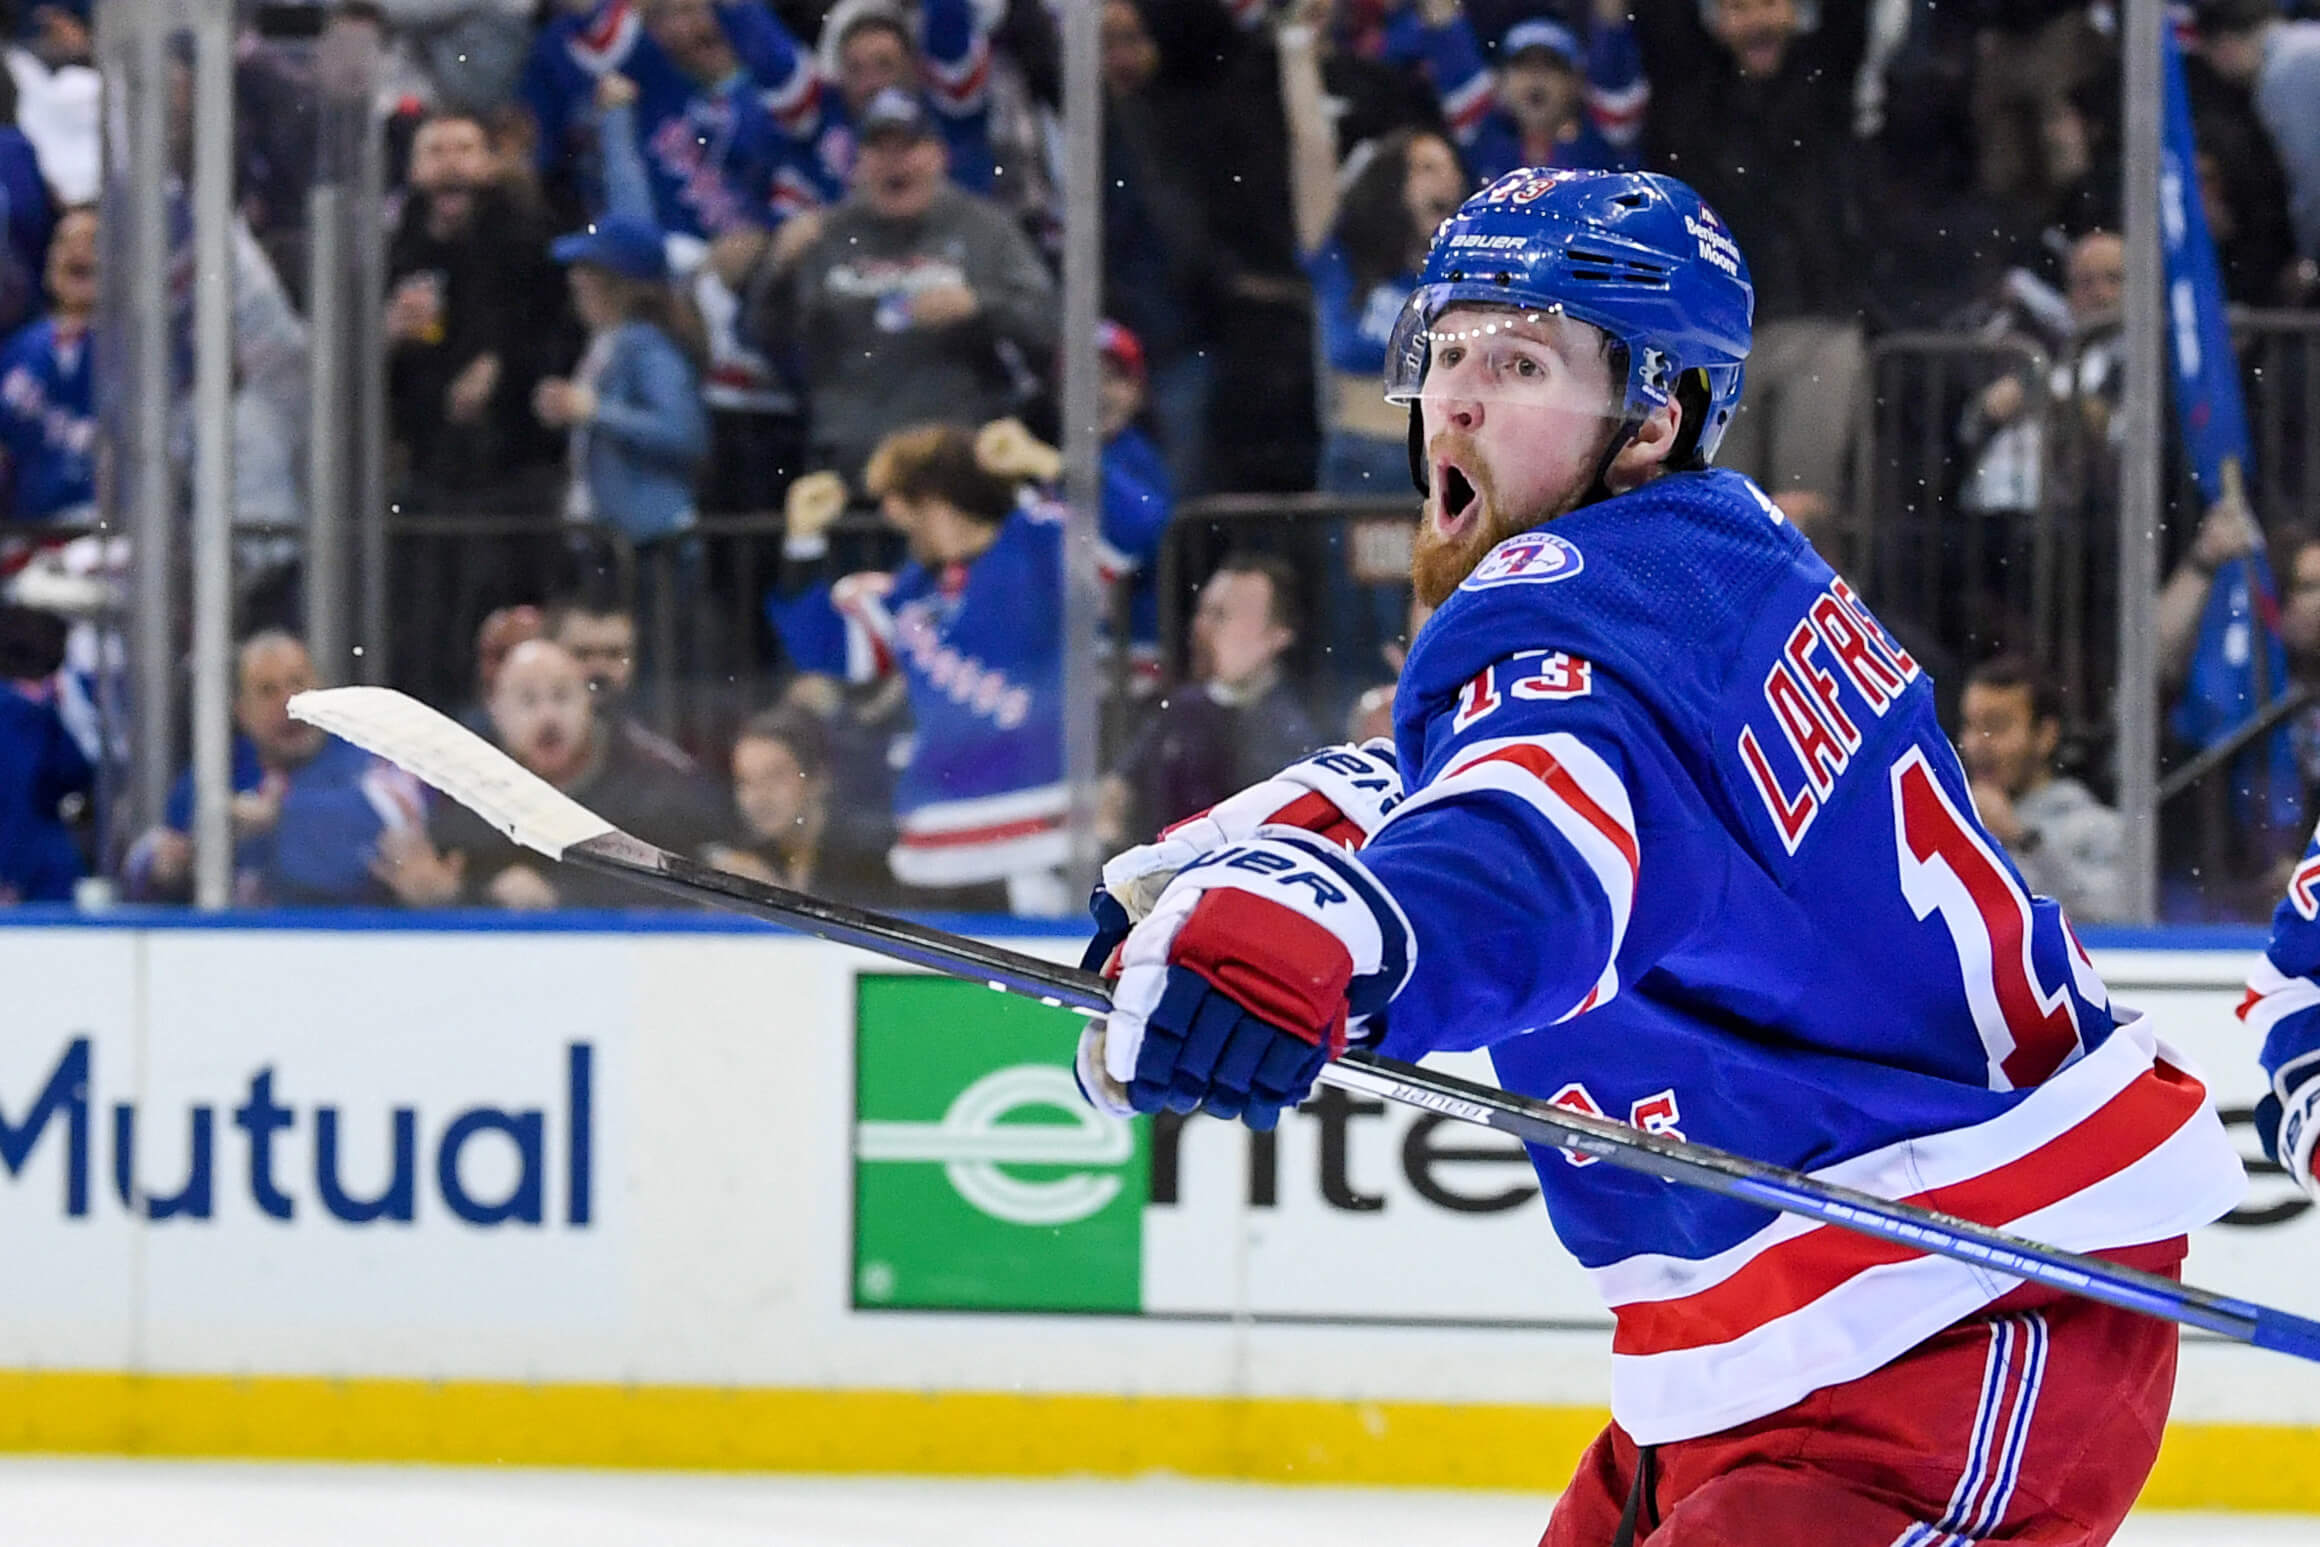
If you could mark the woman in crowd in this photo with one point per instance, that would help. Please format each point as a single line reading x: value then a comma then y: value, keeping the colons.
x: 639, y: 432
x: 781, y: 793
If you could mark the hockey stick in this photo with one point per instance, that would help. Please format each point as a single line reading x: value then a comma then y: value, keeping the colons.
x: 534, y: 814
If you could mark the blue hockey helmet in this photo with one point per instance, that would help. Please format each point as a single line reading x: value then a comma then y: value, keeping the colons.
x: 1636, y: 254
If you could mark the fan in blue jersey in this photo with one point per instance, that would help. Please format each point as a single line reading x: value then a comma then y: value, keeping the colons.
x: 974, y: 626
x: 1683, y: 844
x: 48, y: 411
x: 714, y: 88
x: 939, y: 47
x: 1535, y: 109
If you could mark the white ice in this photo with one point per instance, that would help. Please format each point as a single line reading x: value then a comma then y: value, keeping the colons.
x: 122, y: 1503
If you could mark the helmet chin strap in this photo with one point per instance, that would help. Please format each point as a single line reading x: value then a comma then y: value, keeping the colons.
x: 1598, y: 487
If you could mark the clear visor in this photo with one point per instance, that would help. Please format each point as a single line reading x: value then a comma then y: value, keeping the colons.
x: 1473, y: 352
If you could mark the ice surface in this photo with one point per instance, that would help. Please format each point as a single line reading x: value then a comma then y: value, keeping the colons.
x: 121, y: 1503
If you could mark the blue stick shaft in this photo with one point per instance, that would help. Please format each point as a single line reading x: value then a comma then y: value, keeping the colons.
x: 1694, y: 1165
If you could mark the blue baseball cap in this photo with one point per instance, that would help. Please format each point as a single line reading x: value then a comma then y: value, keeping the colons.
x: 1538, y: 32
x: 623, y: 244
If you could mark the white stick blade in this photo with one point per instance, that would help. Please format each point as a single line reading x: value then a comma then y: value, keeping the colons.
x: 456, y: 761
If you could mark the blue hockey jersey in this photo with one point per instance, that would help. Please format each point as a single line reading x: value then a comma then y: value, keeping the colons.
x: 1610, y: 130
x: 1137, y: 509
x: 2283, y: 997
x: 717, y: 160
x: 955, y: 53
x: 48, y: 422
x: 980, y: 646
x: 334, y: 807
x: 1685, y: 846
x: 40, y: 764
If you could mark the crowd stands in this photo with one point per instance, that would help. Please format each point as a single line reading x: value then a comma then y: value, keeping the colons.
x: 653, y: 264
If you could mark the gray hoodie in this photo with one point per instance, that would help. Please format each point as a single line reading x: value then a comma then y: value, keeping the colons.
x: 870, y: 370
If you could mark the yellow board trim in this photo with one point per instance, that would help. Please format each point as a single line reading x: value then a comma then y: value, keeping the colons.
x: 1272, y: 1440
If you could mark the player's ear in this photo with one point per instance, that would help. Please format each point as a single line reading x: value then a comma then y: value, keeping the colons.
x: 1647, y: 450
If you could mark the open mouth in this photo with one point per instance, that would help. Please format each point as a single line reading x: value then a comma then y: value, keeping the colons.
x: 1454, y: 500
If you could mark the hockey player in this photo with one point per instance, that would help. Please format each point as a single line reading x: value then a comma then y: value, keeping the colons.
x: 2283, y: 1003
x: 1684, y: 845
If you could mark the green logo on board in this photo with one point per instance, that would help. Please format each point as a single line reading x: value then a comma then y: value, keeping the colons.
x: 981, y: 1180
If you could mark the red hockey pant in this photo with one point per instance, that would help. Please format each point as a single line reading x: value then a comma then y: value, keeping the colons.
x: 2036, y: 1420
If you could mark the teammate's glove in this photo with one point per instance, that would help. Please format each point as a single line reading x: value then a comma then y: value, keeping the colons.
x: 1341, y: 793
x: 1259, y: 963
x: 2289, y: 1124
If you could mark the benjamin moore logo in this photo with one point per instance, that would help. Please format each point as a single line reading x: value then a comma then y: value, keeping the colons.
x: 981, y: 1179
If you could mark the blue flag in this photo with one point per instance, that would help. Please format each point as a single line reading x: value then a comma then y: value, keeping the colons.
x: 2238, y: 640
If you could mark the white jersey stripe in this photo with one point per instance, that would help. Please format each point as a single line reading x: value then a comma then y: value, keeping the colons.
x: 1880, y: 1313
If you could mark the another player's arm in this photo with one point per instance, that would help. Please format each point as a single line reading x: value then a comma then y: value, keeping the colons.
x: 2283, y: 1002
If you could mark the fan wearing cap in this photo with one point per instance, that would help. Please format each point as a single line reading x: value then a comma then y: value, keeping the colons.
x: 940, y: 49
x: 912, y: 302
x: 1552, y: 102
x: 700, y: 92
x: 633, y: 407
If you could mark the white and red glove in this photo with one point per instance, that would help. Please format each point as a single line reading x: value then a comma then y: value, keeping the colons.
x: 1341, y: 793
x: 1258, y: 964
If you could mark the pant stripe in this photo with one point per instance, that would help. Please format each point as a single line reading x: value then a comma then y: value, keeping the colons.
x: 1996, y: 1371
x: 1993, y: 1512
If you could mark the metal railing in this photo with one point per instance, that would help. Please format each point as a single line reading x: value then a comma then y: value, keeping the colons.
x: 2040, y: 575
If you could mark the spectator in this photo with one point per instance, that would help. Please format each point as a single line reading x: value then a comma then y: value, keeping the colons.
x: 2296, y: 563
x: 543, y: 716
x: 1236, y: 722
x: 1765, y: 133
x: 2063, y: 841
x: 1158, y: 250
x: 713, y: 81
x: 474, y: 315
x: 1136, y: 501
x: 469, y: 53
x: 2007, y: 432
x: 912, y: 302
x: 48, y: 413
x: 781, y: 792
x: 57, y: 101
x: 599, y: 631
x: 1214, y: 118
x: 42, y: 766
x: 2249, y: 42
x: 755, y: 422
x: 972, y: 625
x: 501, y: 630
x: 27, y: 217
x: 310, y: 811
x: 2227, y: 531
x: 1552, y: 102
x: 2030, y: 56
x: 943, y: 51
x: 1362, y: 249
x: 638, y: 429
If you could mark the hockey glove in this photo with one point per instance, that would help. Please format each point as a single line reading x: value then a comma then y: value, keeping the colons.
x: 1259, y: 963
x: 1341, y: 793
x: 2288, y: 1120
